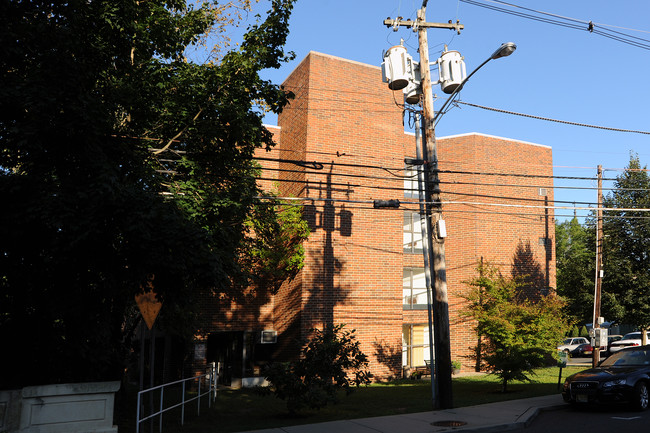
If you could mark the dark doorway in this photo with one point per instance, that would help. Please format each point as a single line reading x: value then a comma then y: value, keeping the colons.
x: 225, y: 348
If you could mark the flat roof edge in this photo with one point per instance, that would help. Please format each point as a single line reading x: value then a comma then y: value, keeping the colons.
x: 496, y: 137
x: 341, y: 59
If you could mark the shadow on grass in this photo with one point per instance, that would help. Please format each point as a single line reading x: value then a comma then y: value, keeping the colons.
x: 244, y: 409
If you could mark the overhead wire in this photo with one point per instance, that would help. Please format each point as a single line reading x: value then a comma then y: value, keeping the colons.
x: 317, y: 167
x: 548, y: 119
x: 414, y: 203
x: 456, y: 101
x: 482, y: 184
x: 390, y: 169
x: 558, y: 20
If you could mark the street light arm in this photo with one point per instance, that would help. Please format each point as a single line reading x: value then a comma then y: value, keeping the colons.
x: 503, y: 51
x: 456, y: 91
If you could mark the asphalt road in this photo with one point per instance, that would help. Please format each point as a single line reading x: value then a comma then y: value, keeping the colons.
x: 598, y: 419
x: 590, y: 420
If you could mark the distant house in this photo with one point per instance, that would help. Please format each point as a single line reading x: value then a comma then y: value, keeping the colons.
x: 341, y: 145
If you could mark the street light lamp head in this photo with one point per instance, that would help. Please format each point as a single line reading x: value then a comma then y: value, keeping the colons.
x: 504, y: 50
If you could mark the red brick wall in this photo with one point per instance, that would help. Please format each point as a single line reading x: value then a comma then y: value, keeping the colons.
x: 494, y: 233
x: 346, y: 120
x: 343, y: 117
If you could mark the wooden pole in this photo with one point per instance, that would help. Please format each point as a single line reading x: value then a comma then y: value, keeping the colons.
x: 434, y: 215
x: 437, y: 263
x: 599, y: 264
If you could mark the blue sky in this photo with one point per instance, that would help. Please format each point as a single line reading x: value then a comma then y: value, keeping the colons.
x: 557, y: 72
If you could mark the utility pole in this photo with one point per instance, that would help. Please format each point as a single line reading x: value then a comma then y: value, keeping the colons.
x: 436, y: 240
x: 599, y: 269
x: 426, y: 251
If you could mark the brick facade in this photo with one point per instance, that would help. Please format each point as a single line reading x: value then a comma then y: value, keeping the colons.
x: 346, y: 121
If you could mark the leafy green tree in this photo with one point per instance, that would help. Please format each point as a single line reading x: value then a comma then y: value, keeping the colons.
x: 121, y: 163
x: 517, y: 334
x: 332, y: 361
x: 575, y: 262
x: 626, y: 258
x: 275, y: 249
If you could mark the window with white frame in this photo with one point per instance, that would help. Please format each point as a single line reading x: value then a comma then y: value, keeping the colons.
x: 412, y: 233
x: 411, y: 182
x: 414, y: 289
x: 415, y: 345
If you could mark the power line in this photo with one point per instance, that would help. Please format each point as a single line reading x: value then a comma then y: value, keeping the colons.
x: 507, y: 205
x: 548, y: 119
x: 580, y: 124
x: 451, y: 182
x: 359, y: 176
x: 307, y: 164
x: 414, y: 192
x: 558, y: 20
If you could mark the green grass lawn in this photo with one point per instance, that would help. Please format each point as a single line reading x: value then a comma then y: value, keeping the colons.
x: 241, y: 410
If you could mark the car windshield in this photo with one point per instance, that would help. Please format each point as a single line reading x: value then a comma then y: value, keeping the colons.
x: 632, y: 336
x: 567, y: 341
x: 628, y: 358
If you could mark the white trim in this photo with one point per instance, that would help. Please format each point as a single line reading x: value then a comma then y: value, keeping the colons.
x: 340, y: 59
x: 493, y: 136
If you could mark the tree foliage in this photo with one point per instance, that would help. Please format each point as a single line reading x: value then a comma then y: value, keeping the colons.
x: 92, y: 211
x: 274, y: 251
x: 575, y: 262
x: 626, y: 245
x: 332, y: 361
x: 517, y: 334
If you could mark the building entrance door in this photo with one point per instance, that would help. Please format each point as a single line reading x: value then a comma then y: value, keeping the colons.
x: 225, y: 348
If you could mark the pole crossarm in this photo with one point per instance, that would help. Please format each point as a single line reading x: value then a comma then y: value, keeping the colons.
x: 416, y: 23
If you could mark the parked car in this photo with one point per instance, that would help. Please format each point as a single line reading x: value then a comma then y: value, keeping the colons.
x: 623, y: 377
x: 572, y: 343
x: 582, y: 350
x: 611, y: 339
x: 628, y: 340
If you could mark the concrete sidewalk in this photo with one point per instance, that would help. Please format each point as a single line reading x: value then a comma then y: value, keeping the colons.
x: 492, y: 417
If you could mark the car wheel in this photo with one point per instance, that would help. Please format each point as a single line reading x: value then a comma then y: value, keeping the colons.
x: 641, y: 396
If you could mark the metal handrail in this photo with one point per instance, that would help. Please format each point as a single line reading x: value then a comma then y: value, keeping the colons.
x: 212, y: 378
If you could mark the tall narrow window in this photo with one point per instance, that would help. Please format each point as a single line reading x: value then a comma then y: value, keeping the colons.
x: 415, y: 345
x: 414, y: 289
x: 412, y: 233
x: 411, y: 181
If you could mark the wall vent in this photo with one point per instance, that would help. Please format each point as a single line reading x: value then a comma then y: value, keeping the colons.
x: 269, y: 337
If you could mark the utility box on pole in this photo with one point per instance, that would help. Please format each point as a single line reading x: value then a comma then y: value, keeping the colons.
x: 451, y: 71
x: 396, y: 67
x: 600, y: 338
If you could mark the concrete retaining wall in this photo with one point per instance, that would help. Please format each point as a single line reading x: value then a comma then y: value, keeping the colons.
x: 64, y: 408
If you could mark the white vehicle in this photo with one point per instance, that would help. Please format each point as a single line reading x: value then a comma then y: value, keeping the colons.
x: 628, y: 340
x: 571, y: 343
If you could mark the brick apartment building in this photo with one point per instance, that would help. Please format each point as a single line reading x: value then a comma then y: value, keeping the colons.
x: 340, y: 145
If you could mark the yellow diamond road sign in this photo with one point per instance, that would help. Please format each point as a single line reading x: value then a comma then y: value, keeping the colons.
x: 149, y: 307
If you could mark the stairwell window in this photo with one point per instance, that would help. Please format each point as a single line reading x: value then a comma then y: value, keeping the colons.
x: 415, y: 345
x: 414, y: 289
x: 412, y: 233
x: 411, y: 181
